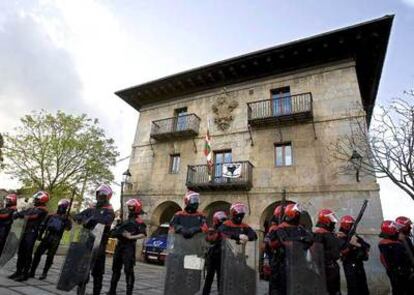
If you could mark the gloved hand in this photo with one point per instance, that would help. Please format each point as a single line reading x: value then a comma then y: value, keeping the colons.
x: 187, y: 233
x: 243, y: 238
x: 90, y: 223
x: 307, y: 240
x: 17, y: 215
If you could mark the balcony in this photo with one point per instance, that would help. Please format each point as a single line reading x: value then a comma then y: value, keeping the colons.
x: 175, y: 127
x: 280, y: 111
x: 228, y: 176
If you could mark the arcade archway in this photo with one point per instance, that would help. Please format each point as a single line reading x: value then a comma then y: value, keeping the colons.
x: 164, y: 212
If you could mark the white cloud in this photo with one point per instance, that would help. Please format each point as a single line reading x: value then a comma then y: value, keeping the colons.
x: 408, y: 2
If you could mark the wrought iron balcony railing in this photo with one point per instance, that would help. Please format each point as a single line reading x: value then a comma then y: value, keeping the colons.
x: 181, y: 126
x: 281, y: 110
x: 227, y: 176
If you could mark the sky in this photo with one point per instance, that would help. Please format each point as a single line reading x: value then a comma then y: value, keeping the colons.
x: 73, y: 55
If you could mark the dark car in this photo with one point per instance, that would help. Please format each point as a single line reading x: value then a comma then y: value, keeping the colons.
x: 155, y: 247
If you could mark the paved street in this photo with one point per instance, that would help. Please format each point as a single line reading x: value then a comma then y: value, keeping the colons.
x: 149, y: 280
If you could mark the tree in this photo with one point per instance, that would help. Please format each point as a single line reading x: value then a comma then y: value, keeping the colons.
x: 387, y: 148
x: 57, y: 152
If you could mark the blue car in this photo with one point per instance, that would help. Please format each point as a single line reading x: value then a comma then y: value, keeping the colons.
x: 155, y: 247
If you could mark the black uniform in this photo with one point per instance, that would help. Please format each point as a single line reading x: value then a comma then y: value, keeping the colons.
x: 188, y: 224
x: 353, y: 262
x: 125, y: 253
x: 6, y: 221
x: 50, y: 233
x: 213, y: 259
x: 90, y: 217
x: 35, y: 217
x: 397, y: 264
x: 332, y: 246
x: 277, y: 237
x: 231, y: 230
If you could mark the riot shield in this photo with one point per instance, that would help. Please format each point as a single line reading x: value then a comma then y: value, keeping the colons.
x: 81, y: 256
x: 184, y: 264
x: 13, y: 241
x: 305, y: 270
x: 238, y: 268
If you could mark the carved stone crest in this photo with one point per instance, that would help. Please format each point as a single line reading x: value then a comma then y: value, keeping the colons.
x: 222, y: 109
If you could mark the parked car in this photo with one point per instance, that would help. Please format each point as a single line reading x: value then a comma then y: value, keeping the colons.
x: 155, y: 247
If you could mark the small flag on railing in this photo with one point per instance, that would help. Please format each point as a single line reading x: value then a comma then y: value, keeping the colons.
x: 232, y: 170
x: 208, y: 153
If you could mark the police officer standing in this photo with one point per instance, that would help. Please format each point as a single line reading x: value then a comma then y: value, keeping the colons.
x: 279, y: 235
x: 35, y: 217
x: 50, y: 233
x: 395, y: 259
x: 127, y: 233
x: 214, y: 252
x: 189, y: 221
x: 353, y: 255
x: 6, y: 218
x: 405, y: 231
x: 102, y: 213
x: 234, y: 228
x: 270, y: 248
x: 324, y: 233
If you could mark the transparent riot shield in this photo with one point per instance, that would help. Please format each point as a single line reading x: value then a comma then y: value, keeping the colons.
x: 238, y: 268
x: 305, y: 270
x: 13, y: 241
x: 81, y: 256
x: 184, y: 264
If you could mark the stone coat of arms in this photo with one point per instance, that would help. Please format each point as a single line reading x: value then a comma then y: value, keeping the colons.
x: 222, y: 109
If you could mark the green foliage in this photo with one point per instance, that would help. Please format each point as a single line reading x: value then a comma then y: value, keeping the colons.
x: 58, y: 152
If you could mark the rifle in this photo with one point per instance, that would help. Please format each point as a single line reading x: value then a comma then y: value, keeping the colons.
x: 352, y: 231
x: 70, y: 203
x: 283, y: 204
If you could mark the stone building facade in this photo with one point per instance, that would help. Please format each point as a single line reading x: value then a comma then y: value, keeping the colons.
x: 271, y: 114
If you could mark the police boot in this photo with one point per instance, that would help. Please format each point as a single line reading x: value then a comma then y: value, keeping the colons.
x: 45, y: 271
x: 97, y: 287
x: 129, y: 283
x: 23, y: 277
x: 43, y: 276
x: 15, y: 275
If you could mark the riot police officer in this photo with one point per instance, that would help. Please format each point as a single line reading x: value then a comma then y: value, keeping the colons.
x: 50, y: 233
x: 405, y: 231
x: 278, y: 238
x: 324, y: 233
x: 353, y: 255
x: 214, y: 252
x: 395, y: 259
x: 234, y: 228
x: 6, y: 218
x: 189, y: 221
x: 127, y: 233
x: 35, y: 217
x: 102, y: 213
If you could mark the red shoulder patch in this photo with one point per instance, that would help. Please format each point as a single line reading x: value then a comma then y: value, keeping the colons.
x: 389, y: 242
x: 320, y: 230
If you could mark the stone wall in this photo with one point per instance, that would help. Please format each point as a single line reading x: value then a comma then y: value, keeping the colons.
x: 312, y: 180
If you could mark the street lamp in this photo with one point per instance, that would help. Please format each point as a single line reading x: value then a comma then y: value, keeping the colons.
x: 125, y: 180
x: 356, y: 160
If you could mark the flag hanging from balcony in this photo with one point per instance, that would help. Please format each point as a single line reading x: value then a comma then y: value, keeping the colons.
x: 209, y: 154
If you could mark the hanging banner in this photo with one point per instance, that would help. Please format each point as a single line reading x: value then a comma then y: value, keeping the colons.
x: 232, y: 170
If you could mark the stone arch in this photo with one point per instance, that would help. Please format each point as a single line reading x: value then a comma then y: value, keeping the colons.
x: 213, y: 207
x: 164, y: 212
